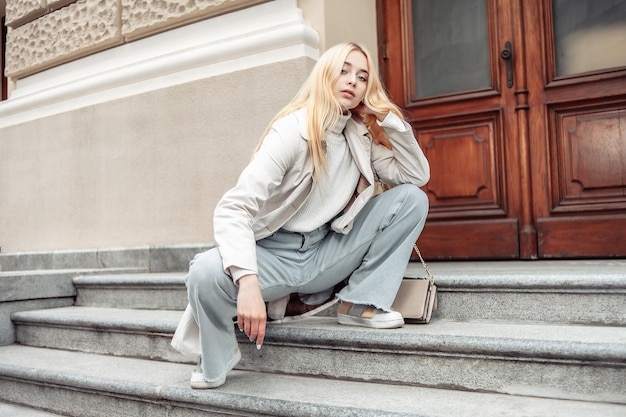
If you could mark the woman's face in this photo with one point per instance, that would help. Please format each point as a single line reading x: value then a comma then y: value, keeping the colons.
x: 349, y: 89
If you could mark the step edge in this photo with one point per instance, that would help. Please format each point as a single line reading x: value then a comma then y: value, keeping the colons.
x: 611, y: 354
x: 139, y: 280
x: 598, y: 352
x: 147, y: 391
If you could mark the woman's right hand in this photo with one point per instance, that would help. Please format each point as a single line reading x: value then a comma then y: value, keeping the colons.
x: 251, y: 310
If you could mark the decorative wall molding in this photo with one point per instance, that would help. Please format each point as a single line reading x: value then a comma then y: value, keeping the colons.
x: 259, y: 35
x: 47, y: 33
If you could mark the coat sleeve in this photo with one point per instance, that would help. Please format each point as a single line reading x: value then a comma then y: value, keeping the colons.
x: 235, y: 212
x: 405, y: 162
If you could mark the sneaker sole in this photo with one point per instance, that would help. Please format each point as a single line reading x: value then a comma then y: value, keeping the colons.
x: 198, y: 381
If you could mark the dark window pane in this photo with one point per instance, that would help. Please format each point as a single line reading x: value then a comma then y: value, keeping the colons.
x: 451, y: 46
x: 589, y: 35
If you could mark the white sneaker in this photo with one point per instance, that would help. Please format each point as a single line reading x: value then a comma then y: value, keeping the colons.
x: 198, y: 381
x: 368, y: 316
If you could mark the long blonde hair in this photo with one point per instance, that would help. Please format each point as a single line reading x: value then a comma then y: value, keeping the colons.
x: 323, y: 109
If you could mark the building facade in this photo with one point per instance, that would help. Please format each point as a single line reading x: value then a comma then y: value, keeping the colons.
x: 124, y: 121
x: 127, y: 120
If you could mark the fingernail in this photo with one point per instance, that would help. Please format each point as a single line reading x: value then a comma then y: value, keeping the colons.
x: 258, y: 347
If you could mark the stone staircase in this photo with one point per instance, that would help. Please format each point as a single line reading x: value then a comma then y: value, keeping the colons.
x: 510, y: 338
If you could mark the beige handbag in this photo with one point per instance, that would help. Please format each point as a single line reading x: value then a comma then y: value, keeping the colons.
x: 417, y: 296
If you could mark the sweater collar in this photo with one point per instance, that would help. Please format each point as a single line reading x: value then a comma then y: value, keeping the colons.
x: 350, y: 123
x: 341, y: 123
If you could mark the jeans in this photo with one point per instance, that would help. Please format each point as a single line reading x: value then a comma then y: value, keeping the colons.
x: 374, y: 254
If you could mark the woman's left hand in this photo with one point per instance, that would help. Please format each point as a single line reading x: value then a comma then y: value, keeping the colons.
x: 251, y: 311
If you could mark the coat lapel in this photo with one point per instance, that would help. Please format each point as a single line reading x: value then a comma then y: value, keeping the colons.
x: 360, y: 146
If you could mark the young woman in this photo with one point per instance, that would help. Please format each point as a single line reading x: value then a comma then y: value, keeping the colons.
x: 304, y: 215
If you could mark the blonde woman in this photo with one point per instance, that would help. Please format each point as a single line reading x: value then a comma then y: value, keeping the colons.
x: 304, y: 216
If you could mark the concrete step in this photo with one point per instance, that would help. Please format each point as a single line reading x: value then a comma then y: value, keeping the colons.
x: 586, y: 292
x: 12, y: 410
x: 580, y: 291
x: 89, y: 385
x: 113, y: 331
x: 36, y: 284
x: 544, y: 360
x: 37, y: 289
x: 145, y: 291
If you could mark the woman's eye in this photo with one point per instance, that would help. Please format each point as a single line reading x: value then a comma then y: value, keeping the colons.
x: 343, y: 71
x: 363, y: 79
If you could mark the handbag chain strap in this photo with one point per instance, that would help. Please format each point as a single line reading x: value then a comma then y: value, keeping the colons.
x: 430, y: 275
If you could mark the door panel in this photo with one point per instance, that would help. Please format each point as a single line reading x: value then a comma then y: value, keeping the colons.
x: 582, y: 236
x: 474, y: 188
x: 440, y: 238
x: 589, y: 172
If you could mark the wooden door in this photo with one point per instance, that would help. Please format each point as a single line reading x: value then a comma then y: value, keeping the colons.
x: 478, y: 80
x: 577, y: 126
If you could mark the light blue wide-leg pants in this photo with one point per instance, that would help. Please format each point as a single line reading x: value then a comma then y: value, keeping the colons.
x: 374, y: 254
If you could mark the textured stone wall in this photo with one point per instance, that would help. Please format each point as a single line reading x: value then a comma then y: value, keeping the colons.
x: 70, y: 32
x: 19, y: 12
x: 45, y: 33
x: 143, y: 17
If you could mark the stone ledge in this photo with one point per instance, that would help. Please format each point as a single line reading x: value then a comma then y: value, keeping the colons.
x: 148, y: 258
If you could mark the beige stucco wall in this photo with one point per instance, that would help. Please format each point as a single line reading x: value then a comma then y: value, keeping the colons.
x: 343, y: 21
x: 145, y: 169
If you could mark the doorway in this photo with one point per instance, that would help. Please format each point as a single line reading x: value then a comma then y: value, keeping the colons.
x: 520, y: 107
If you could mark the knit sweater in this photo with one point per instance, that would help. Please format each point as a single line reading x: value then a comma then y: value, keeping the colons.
x: 333, y: 191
